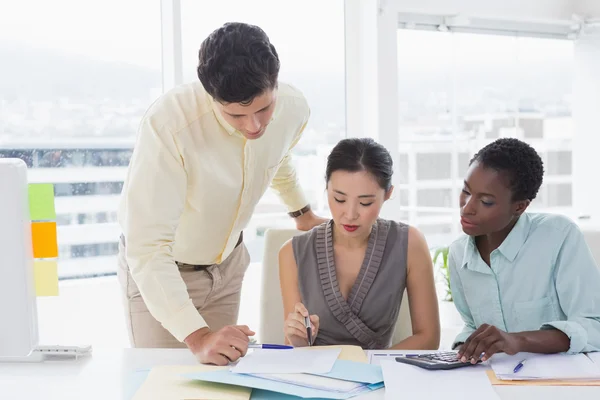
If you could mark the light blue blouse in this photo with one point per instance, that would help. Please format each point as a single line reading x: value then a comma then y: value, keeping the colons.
x: 543, y: 275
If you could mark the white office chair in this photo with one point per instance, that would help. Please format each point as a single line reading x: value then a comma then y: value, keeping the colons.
x: 592, y: 238
x: 272, y: 318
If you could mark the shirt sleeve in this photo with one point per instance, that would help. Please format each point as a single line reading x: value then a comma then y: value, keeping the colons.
x: 577, y: 280
x: 286, y: 183
x: 460, y: 303
x: 154, y: 199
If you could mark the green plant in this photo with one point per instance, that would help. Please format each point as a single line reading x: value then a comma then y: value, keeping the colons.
x: 443, y: 268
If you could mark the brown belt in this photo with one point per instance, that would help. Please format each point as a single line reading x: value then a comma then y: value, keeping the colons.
x: 196, y: 267
x: 200, y: 267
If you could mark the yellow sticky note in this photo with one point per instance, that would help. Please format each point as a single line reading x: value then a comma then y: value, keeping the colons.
x: 43, y: 236
x: 46, y: 278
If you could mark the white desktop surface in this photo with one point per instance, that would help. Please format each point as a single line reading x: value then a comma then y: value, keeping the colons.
x: 110, y: 374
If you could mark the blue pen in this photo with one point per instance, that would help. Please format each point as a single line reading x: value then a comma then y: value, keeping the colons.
x: 519, y: 366
x: 269, y: 346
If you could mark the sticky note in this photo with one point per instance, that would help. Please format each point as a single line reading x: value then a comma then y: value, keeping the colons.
x: 43, y: 236
x: 41, y: 202
x: 46, y: 278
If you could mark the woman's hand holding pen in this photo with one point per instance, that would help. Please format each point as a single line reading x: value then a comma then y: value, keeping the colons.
x: 294, y: 328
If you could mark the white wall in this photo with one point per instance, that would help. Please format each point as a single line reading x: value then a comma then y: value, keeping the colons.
x: 586, y: 112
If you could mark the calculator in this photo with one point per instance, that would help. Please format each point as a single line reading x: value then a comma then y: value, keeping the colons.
x: 437, y: 360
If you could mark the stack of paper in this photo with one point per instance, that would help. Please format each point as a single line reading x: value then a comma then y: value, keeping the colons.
x: 545, y: 367
x: 404, y: 381
x: 299, y: 372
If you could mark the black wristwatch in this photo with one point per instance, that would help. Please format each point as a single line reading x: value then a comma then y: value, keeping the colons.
x: 302, y: 211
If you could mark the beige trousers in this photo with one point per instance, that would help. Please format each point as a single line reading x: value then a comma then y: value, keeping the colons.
x: 215, y: 292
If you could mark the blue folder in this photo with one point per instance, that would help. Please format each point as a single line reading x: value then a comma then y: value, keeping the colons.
x: 264, y: 389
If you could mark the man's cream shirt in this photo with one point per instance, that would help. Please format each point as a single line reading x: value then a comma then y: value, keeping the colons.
x: 192, y: 185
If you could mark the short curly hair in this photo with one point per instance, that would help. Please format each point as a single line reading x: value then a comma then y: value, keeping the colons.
x: 237, y: 62
x: 519, y: 160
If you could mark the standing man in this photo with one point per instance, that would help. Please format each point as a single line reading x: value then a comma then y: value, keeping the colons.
x: 205, y: 154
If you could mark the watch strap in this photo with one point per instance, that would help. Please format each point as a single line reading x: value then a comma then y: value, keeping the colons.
x: 302, y: 211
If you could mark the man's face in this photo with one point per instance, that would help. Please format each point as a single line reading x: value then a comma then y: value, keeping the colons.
x: 250, y: 119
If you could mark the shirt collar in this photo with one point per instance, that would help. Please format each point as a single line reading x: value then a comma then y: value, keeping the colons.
x: 516, y: 238
x: 470, y: 252
x: 509, y: 248
x: 230, y: 129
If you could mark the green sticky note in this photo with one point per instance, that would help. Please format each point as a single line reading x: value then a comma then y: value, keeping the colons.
x: 41, y: 202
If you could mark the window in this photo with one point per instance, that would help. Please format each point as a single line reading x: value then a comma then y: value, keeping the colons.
x: 312, y: 59
x: 72, y: 93
x: 460, y: 91
x: 76, y: 79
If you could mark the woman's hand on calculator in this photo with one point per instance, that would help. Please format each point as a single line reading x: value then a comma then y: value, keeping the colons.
x: 485, y: 342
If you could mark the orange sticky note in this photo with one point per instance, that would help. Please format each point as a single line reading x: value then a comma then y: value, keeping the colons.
x: 46, y: 278
x: 43, y: 235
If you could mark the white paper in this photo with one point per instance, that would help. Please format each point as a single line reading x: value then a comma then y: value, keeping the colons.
x: 376, y: 358
x: 405, y: 381
x: 545, y: 366
x: 314, y: 382
x: 289, y: 361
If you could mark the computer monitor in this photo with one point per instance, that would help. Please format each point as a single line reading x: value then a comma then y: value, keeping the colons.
x: 18, y: 311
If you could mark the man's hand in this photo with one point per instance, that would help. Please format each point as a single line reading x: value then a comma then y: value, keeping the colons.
x: 309, y: 220
x: 220, y: 347
x: 486, y: 341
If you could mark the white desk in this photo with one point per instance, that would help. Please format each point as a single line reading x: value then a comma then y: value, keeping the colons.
x: 109, y: 374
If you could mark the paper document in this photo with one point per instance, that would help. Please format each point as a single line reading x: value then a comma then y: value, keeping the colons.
x: 314, y: 382
x: 346, y: 379
x: 263, y: 361
x: 345, y: 376
x: 540, y: 382
x: 404, y: 381
x: 545, y: 366
x: 375, y: 357
x: 167, y: 383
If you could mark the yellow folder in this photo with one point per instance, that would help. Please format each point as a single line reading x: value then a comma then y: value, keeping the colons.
x: 499, y: 382
x: 166, y: 383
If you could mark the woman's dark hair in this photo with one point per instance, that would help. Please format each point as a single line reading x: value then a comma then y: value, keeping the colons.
x: 361, y: 154
x: 237, y: 62
x: 522, y: 164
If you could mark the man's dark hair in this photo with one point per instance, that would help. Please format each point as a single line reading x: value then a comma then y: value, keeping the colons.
x: 237, y: 62
x: 361, y: 154
x: 519, y: 161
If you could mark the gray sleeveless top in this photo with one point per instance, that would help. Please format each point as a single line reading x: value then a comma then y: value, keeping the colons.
x: 368, y: 317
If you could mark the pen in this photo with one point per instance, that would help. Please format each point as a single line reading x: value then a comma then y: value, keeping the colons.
x: 269, y: 346
x: 519, y: 366
x: 308, y: 330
